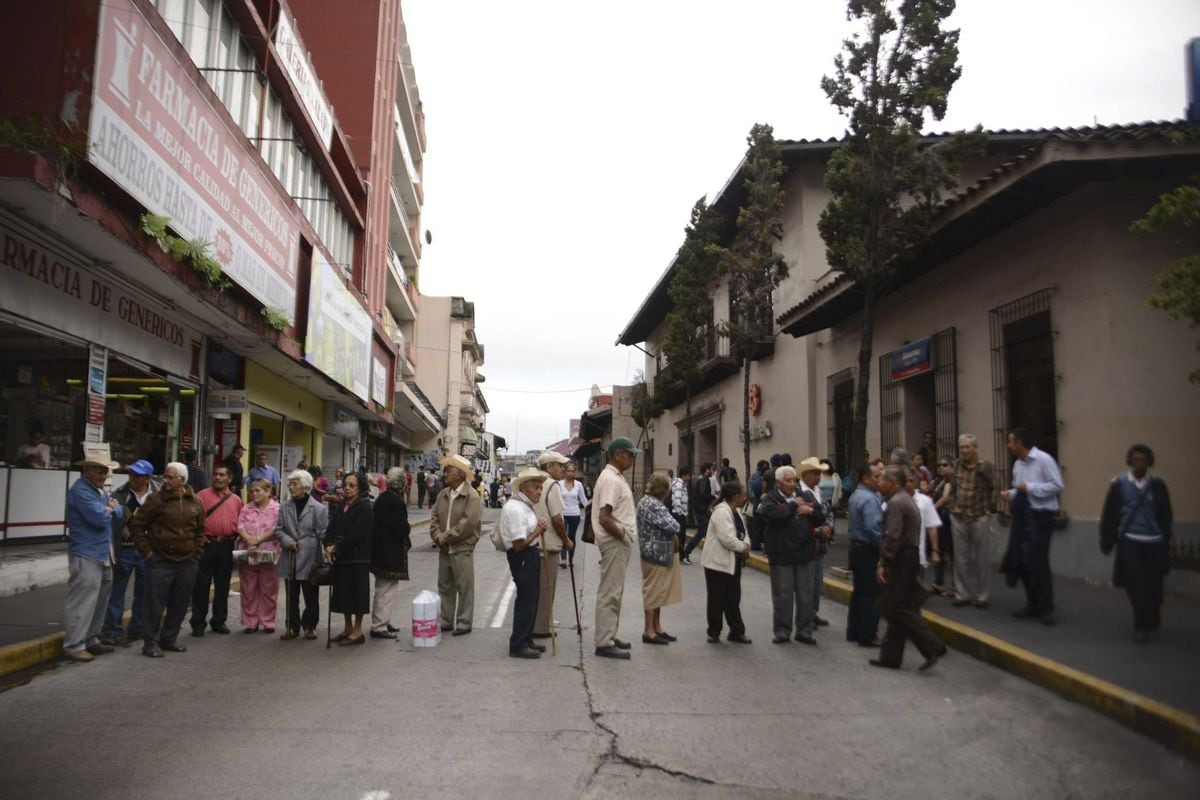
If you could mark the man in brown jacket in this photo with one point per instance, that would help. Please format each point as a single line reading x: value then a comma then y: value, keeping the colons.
x: 454, y: 528
x: 168, y: 530
x: 899, y: 575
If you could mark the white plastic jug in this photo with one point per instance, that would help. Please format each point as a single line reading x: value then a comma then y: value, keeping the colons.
x: 426, y: 609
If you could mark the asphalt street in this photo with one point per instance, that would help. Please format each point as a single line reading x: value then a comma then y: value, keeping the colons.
x: 250, y: 716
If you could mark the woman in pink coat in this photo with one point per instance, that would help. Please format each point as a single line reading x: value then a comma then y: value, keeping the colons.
x: 260, y: 581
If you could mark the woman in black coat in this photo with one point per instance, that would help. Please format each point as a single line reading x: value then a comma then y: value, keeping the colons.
x: 389, y: 552
x: 348, y: 547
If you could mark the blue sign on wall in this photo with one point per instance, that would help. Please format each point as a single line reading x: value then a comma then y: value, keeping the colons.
x: 915, y: 358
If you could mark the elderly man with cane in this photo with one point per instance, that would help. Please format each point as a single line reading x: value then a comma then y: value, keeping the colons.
x: 550, y: 508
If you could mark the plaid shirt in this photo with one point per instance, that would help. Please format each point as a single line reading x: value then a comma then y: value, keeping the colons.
x: 679, y: 497
x: 974, y: 492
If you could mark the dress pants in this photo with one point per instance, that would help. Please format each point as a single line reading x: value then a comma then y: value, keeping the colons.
x: 260, y: 594
x: 88, y: 586
x: 701, y: 530
x: 312, y: 605
x: 1034, y: 565
x: 818, y: 581
x: 725, y: 600
x: 168, y: 588
x: 381, y: 604
x: 614, y: 561
x: 547, y: 582
x: 972, y: 556
x: 682, y: 535
x: 757, y: 523
x: 792, y: 590
x: 524, y: 567
x: 900, y: 603
x: 862, y: 623
x: 215, y: 570
x: 456, y: 585
x: 132, y: 565
x: 1144, y: 565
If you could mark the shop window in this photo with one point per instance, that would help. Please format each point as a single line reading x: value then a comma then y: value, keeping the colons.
x: 1023, y: 378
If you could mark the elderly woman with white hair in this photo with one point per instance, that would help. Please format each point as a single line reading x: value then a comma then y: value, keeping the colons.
x: 300, y: 529
x: 389, y: 552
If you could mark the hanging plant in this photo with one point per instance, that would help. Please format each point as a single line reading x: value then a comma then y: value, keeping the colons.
x: 276, y: 318
x: 192, y: 252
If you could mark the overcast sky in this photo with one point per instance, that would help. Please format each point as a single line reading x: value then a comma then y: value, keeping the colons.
x: 567, y: 142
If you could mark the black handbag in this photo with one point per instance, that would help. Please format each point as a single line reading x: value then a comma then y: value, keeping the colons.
x: 322, y: 571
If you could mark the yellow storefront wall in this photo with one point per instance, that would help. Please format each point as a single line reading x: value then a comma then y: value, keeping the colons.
x: 275, y: 393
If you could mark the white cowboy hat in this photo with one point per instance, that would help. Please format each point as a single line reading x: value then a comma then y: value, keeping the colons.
x: 529, y: 474
x: 459, y: 463
x: 811, y: 464
x: 97, y: 458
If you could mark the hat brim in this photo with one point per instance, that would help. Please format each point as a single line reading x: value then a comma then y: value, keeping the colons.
x: 449, y: 462
x: 88, y: 462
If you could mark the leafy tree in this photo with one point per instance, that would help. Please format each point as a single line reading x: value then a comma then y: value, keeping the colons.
x: 697, y: 267
x: 753, y: 266
x: 1179, y: 282
x: 898, y: 66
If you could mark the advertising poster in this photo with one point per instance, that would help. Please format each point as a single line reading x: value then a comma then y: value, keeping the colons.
x: 339, y: 330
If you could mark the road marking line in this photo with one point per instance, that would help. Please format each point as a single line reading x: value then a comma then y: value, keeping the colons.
x: 502, y: 611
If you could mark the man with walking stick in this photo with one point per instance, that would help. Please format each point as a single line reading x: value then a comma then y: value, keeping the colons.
x: 550, y: 509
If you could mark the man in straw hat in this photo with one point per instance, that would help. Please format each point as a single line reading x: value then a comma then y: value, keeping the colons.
x: 550, y: 509
x: 454, y: 528
x: 615, y: 531
x: 810, y: 470
x: 520, y: 530
x: 90, y: 512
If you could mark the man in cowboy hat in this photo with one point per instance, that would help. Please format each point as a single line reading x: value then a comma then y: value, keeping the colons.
x: 454, y: 528
x: 616, y: 532
x: 90, y: 512
x: 810, y: 470
x: 550, y: 509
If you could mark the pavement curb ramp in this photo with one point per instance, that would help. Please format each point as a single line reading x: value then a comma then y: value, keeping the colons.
x: 23, y: 655
x: 1176, y: 729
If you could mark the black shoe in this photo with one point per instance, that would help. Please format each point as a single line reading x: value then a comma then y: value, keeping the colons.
x: 524, y: 652
x: 714, y: 639
x: 541, y: 648
x: 820, y: 621
x: 100, y: 649
x: 933, y: 659
x: 461, y: 631
x: 612, y: 651
x: 393, y: 629
x: 1141, y: 636
x: 872, y: 643
x: 173, y: 647
x: 1025, y: 613
x: 875, y: 662
x: 151, y: 651
x: 805, y: 638
x: 382, y: 635
x: 222, y: 629
x: 447, y: 628
x: 739, y: 639
x: 961, y: 603
x: 1048, y: 618
x: 110, y: 639
x: 198, y: 632
x: 653, y: 639
x: 668, y: 636
x: 781, y: 639
x: 620, y: 645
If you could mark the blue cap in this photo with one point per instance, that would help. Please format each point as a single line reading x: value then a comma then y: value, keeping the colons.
x: 141, y: 467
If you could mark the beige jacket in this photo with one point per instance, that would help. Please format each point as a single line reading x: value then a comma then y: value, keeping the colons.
x: 547, y: 508
x: 721, y: 545
x: 458, y: 514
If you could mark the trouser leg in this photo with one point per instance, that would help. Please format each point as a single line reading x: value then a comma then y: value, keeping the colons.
x: 614, y: 560
x: 200, y: 590
x: 381, y: 604
x: 716, y: 600
x: 524, y: 567
x: 701, y: 530
x: 139, y: 590
x: 312, y: 605
x: 733, y: 603
x: 572, y: 524
x: 85, y: 577
x: 982, y: 558
x: 445, y: 584
x: 248, y: 578
x: 222, y: 572
x: 158, y: 587
x: 291, y: 590
x: 892, y: 650
x: 818, y: 582
x: 912, y: 626
x: 547, y: 582
x: 464, y: 587
x: 115, y: 610
x: 805, y: 616
x: 268, y: 595
x: 1043, y: 525
x: 783, y: 593
x: 963, y: 564
x: 863, y: 623
x: 182, y: 577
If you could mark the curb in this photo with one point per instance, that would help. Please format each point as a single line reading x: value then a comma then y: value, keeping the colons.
x: 23, y: 655
x: 1176, y: 729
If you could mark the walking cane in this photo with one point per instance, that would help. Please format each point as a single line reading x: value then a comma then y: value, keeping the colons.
x: 574, y: 594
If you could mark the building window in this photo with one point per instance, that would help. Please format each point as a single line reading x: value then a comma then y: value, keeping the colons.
x: 1023, y: 378
x: 945, y: 394
x: 839, y: 416
x: 890, y: 415
x: 923, y: 402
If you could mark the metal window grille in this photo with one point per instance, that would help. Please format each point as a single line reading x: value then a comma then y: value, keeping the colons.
x: 889, y: 408
x: 1006, y: 333
x: 945, y: 393
x: 838, y: 447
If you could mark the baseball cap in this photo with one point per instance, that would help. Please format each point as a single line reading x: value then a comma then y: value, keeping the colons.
x: 141, y: 467
x: 623, y: 443
x: 551, y: 457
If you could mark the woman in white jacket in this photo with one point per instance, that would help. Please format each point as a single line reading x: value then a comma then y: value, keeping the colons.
x: 723, y: 556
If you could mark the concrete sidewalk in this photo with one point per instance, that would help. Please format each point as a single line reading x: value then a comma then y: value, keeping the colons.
x: 1089, y: 656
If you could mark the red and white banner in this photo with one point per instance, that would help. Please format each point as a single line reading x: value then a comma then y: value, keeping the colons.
x: 154, y: 132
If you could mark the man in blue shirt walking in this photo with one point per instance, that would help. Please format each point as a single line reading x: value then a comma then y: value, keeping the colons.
x: 263, y: 471
x: 1033, y: 501
x: 90, y: 512
x: 866, y: 536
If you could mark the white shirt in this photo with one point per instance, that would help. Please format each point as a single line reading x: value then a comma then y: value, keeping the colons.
x: 929, y: 519
x: 1041, y: 476
x: 612, y: 490
x: 517, y: 521
x: 574, y: 499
